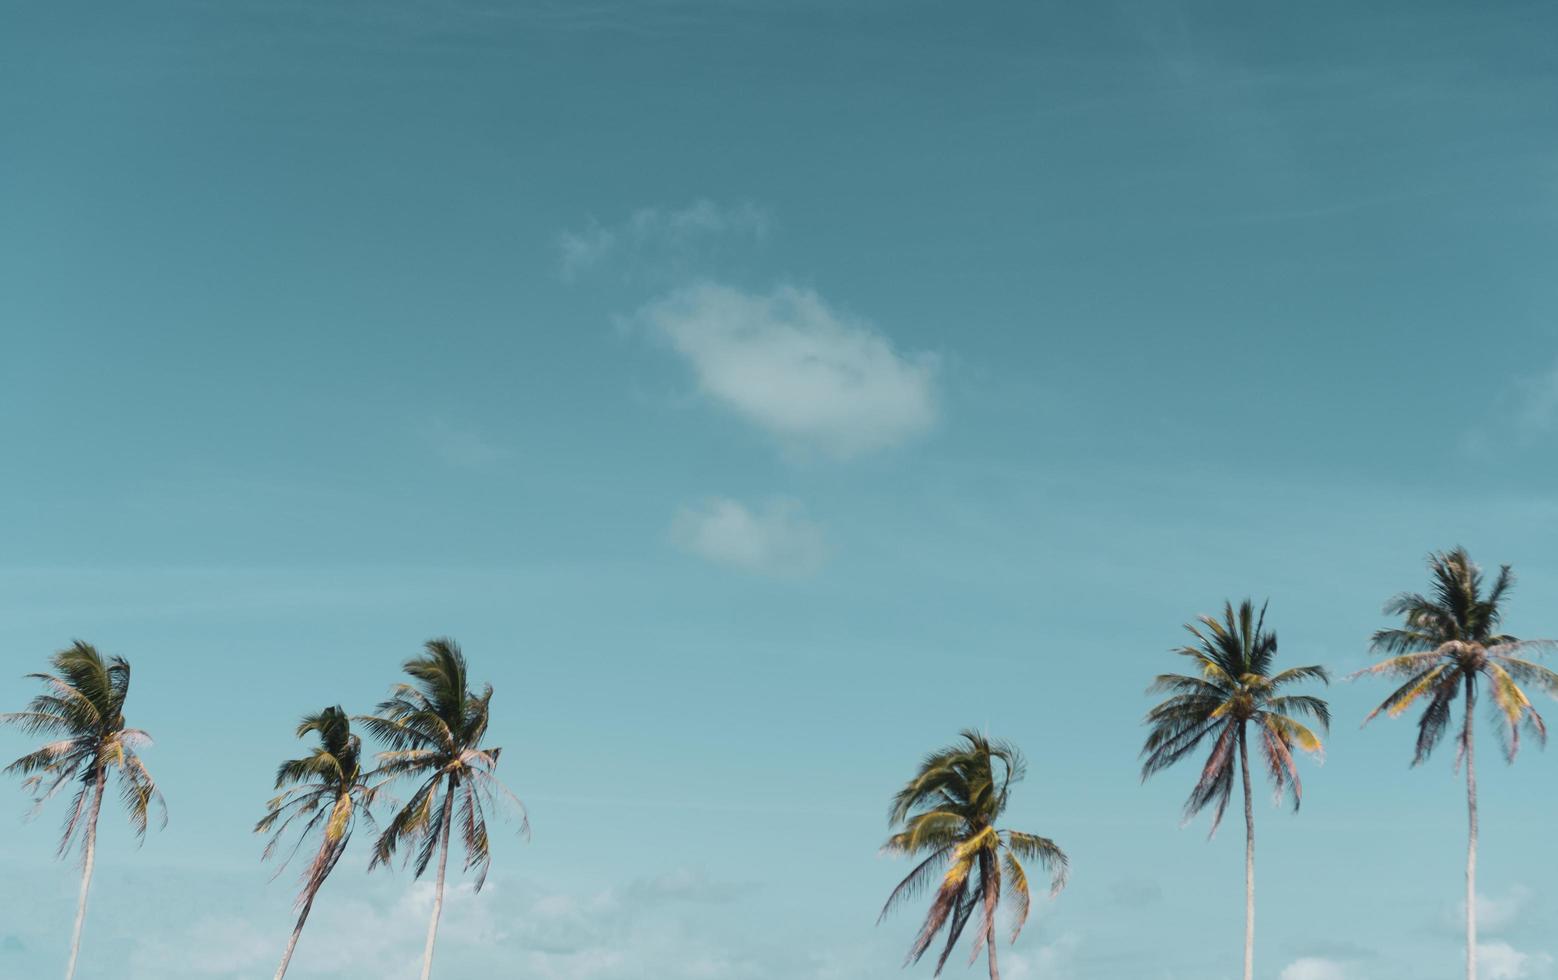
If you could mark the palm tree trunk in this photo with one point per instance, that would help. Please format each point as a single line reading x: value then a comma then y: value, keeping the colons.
x: 297, y: 931
x: 1249, y: 862
x: 438, y: 889
x: 990, y: 872
x: 1471, y: 836
x: 90, y: 858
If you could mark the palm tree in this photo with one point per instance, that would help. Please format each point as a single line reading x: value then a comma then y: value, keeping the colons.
x: 83, y: 706
x: 1233, y: 690
x: 1447, y: 642
x: 948, y: 812
x: 325, y: 789
x: 433, y: 729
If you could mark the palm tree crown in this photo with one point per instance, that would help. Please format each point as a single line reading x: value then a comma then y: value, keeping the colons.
x: 433, y: 730
x: 948, y: 812
x: 83, y: 705
x: 1450, y: 640
x: 1234, y: 686
x: 325, y: 789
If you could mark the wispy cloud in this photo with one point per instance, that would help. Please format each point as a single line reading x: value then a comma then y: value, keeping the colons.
x: 1056, y: 960
x: 459, y: 446
x: 1314, y: 968
x: 1537, y: 410
x: 1524, y: 412
x: 1501, y: 961
x: 776, y: 539
x: 662, y: 241
x: 790, y: 363
x: 655, y: 927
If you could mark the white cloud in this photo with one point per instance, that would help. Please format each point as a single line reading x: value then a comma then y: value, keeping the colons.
x: 777, y: 539
x: 1314, y: 968
x: 788, y: 362
x: 648, y: 928
x: 1053, y: 961
x: 660, y: 238
x: 1495, y: 914
x: 1501, y: 961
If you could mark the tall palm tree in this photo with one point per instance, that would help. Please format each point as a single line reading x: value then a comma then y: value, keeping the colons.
x: 1233, y: 691
x: 327, y: 791
x: 1448, y: 642
x: 433, y: 730
x: 83, y: 707
x: 948, y: 813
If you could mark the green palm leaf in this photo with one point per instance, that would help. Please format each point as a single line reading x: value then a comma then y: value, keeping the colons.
x: 949, y: 809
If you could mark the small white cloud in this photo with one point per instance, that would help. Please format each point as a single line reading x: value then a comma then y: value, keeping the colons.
x: 1314, y: 968
x: 778, y: 539
x: 1053, y: 961
x: 660, y: 238
x: 1497, y: 913
x: 1501, y: 961
x: 791, y: 364
x: 459, y: 447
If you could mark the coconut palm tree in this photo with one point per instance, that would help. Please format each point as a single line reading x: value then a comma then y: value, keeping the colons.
x: 1449, y: 642
x: 1233, y: 691
x: 433, y: 730
x: 327, y: 791
x: 82, y: 707
x: 948, y: 813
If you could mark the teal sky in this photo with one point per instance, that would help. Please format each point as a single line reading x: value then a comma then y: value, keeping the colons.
x: 761, y: 393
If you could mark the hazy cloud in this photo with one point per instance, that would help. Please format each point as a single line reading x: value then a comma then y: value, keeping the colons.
x: 662, y: 240
x: 1314, y: 968
x: 1501, y: 961
x: 776, y: 539
x: 1537, y: 411
x: 791, y: 364
x: 641, y: 929
x: 458, y: 446
x: 1056, y: 960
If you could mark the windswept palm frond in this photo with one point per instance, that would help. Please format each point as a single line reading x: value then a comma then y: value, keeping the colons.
x: 432, y: 730
x: 328, y: 792
x: 948, y: 812
x: 82, y: 710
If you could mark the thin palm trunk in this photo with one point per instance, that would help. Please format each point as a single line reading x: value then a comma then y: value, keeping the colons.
x: 1249, y: 862
x: 438, y: 889
x: 86, y: 873
x: 992, y: 898
x: 329, y: 854
x: 1471, y: 837
x: 297, y: 931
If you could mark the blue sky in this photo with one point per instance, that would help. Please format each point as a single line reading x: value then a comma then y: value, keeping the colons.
x: 761, y: 393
